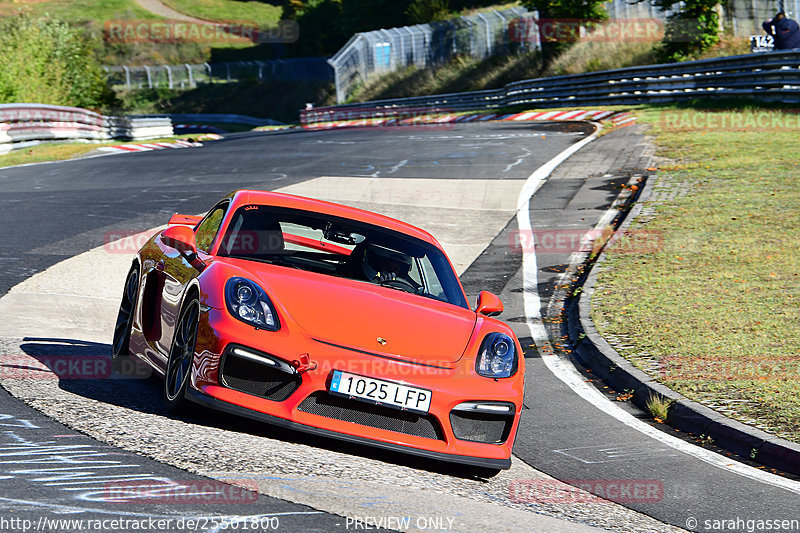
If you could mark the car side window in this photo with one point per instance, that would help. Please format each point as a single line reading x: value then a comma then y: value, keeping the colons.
x: 209, y: 227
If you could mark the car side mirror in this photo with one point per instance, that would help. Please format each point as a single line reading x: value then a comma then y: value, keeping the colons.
x: 181, y: 238
x: 489, y: 304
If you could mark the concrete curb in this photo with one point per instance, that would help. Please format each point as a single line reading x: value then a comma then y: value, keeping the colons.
x: 596, y: 353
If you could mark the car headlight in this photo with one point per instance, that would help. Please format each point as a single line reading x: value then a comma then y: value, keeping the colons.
x: 249, y: 303
x: 497, y: 357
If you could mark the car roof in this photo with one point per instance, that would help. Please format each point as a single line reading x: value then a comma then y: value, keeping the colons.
x: 291, y: 201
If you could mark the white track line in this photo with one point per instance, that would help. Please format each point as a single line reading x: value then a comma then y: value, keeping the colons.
x: 76, y: 509
x: 566, y: 372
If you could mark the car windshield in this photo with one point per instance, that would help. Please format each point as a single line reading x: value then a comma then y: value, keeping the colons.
x: 343, y: 248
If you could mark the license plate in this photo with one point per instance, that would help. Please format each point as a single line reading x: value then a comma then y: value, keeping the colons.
x: 377, y: 391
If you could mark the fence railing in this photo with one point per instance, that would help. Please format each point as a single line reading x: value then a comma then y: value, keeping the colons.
x: 484, y: 34
x: 32, y: 122
x: 771, y: 76
x: 381, y: 51
x: 189, y: 76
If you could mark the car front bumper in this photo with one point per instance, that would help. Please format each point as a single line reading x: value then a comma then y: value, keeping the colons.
x: 451, y: 386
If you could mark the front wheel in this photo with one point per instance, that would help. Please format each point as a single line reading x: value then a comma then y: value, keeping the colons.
x: 181, y: 355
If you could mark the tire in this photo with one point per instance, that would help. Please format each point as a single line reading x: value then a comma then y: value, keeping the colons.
x: 120, y: 347
x: 181, y: 355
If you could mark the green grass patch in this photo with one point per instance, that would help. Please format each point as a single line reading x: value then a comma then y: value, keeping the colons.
x: 58, y: 151
x: 658, y: 408
x: 47, y: 152
x: 461, y: 73
x: 98, y: 11
x: 94, y: 14
x: 715, y: 308
x: 260, y: 13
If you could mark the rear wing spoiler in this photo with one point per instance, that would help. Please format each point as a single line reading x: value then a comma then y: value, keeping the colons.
x: 184, y: 220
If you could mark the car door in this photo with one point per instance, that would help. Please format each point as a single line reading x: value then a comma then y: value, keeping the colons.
x: 176, y: 272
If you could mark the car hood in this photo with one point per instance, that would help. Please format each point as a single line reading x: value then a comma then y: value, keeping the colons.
x: 357, y: 315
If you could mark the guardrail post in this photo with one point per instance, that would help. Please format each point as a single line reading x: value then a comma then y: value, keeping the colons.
x: 401, y: 49
x: 127, y: 77
x: 169, y: 76
x: 149, y: 77
x: 413, y: 48
x: 488, y: 34
x: 504, y: 30
x: 471, y: 36
x: 189, y: 72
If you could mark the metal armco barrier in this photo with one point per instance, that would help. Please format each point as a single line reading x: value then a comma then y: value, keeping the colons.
x: 312, y: 69
x: 32, y: 122
x: 771, y: 76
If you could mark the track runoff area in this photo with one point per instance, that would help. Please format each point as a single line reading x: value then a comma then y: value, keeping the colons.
x: 478, y: 188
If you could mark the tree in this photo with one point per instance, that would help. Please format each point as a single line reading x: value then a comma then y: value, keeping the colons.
x: 563, y: 17
x: 48, y: 62
x: 422, y: 11
x: 691, y: 29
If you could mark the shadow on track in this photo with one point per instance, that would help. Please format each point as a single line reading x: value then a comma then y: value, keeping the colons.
x: 84, y: 368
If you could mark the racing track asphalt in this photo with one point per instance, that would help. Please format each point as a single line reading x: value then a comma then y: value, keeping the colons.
x: 64, y: 209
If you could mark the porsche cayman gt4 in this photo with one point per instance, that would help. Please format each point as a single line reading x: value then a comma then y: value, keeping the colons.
x: 326, y: 319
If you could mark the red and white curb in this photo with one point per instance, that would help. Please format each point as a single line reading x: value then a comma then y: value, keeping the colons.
x: 146, y: 147
x: 619, y: 118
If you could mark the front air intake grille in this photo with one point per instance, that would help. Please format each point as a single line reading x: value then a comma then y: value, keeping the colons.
x: 376, y: 416
x: 481, y: 427
x: 257, y: 379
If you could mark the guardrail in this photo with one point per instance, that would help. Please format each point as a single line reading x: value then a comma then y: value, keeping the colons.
x: 770, y: 76
x: 37, y: 122
x: 224, y: 118
x: 188, y: 76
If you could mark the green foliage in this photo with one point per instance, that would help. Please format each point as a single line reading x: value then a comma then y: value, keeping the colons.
x: 693, y: 29
x: 279, y: 100
x: 319, y: 33
x: 591, y: 10
x: 422, y: 11
x: 587, y: 11
x: 48, y: 62
x: 326, y: 25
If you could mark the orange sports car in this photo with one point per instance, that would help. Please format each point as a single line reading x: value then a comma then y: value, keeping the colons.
x: 327, y: 319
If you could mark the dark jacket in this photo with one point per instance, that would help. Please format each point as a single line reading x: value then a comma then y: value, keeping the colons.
x: 785, y: 32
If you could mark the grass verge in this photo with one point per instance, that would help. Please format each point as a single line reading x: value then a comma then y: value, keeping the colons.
x: 713, y: 311
x: 79, y: 10
x: 228, y: 10
x: 58, y: 151
x: 47, y: 152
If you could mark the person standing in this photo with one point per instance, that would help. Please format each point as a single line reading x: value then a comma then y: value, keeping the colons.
x: 784, y: 31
